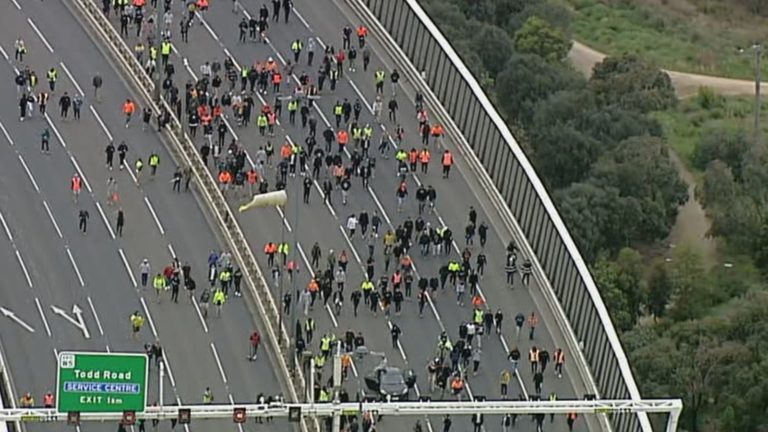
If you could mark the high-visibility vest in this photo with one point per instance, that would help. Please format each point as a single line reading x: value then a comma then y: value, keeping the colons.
x: 129, y: 107
x: 338, y: 110
x: 165, y: 48
x: 277, y: 78
x: 158, y: 282
x: 424, y: 156
x: 447, y: 159
x: 437, y: 130
x: 343, y: 137
x: 52, y: 75
x: 252, y: 176
x: 296, y: 46
x: 48, y: 400
x: 413, y: 156
x: 76, y: 184
x: 379, y: 76
x: 313, y: 286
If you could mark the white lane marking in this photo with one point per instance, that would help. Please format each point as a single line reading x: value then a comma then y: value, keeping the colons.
x: 96, y: 316
x: 53, y: 219
x: 210, y: 30
x: 82, y: 175
x: 55, y: 130
x: 7, y: 135
x: 352, y: 247
x: 173, y: 252
x: 5, y: 54
x: 106, y: 221
x: 16, y: 4
x: 127, y: 267
x: 5, y: 228
x: 42, y: 316
x: 170, y: 372
x: 149, y: 319
x: 29, y: 173
x: 154, y: 216
x: 284, y: 219
x: 72, y: 78
x: 15, y: 318
x: 200, y: 314
x: 74, y: 266
x: 218, y: 363
x: 45, y: 41
x: 101, y: 122
x: 303, y: 21
x: 23, y: 268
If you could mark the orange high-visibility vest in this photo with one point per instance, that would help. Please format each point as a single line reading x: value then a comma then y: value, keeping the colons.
x: 252, y: 176
x: 447, y: 159
x: 277, y: 78
x: 313, y: 286
x: 424, y: 156
x: 413, y: 155
x: 342, y: 137
x: 285, y: 151
x: 129, y: 107
x: 76, y: 182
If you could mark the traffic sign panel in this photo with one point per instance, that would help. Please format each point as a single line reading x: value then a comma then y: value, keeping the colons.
x: 101, y: 382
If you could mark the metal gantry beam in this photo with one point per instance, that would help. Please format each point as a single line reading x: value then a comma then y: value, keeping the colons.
x: 199, y: 412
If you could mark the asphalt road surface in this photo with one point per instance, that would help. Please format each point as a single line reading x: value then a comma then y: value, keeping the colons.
x: 217, y: 37
x: 50, y: 266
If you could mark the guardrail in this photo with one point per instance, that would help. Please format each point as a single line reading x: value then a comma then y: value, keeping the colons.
x: 185, y: 153
x: 7, y: 396
x: 428, y: 61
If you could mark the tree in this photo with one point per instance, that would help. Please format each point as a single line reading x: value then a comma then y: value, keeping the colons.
x: 538, y: 37
x: 727, y: 145
x: 640, y: 168
x: 632, y: 84
x: 612, y: 124
x: 597, y: 217
x: 563, y: 155
x: 690, y: 291
x: 556, y: 14
x: 659, y: 289
x: 528, y: 79
x: 493, y: 46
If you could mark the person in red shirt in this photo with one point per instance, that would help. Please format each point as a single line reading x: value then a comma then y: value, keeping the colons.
x: 255, y: 342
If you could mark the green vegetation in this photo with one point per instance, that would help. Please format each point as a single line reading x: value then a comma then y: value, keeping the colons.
x: 601, y: 145
x: 699, y: 36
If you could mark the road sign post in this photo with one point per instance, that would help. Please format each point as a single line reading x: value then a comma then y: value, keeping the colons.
x: 92, y: 382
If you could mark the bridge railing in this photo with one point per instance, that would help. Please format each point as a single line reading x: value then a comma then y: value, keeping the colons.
x: 429, y: 63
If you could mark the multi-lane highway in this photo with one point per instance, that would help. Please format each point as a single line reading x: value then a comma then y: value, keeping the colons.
x: 214, y: 38
x: 51, y: 267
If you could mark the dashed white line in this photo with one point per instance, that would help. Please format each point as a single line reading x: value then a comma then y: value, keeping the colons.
x: 5, y: 228
x: 149, y: 319
x: 29, y: 173
x: 200, y: 314
x: 303, y: 21
x: 127, y: 267
x: 45, y: 41
x: 42, y: 316
x: 18, y: 6
x: 106, y: 221
x: 55, y: 130
x: 7, y: 135
x: 172, y: 252
x: 218, y: 363
x: 284, y: 219
x: 154, y: 216
x: 101, y: 122
x: 72, y: 78
x: 82, y: 175
x: 169, y: 371
x: 53, y: 219
x: 23, y: 268
x: 96, y: 316
x: 74, y: 266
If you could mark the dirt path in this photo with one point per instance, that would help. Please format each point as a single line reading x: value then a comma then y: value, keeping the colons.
x: 686, y: 84
x: 692, y: 224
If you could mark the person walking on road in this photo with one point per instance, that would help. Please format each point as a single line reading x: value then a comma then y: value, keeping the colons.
x: 120, y: 222
x: 144, y: 269
x: 96, y: 82
x: 137, y: 321
x: 45, y: 138
x: 255, y: 341
x: 83, y: 217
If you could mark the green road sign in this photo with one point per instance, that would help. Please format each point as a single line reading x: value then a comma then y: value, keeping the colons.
x: 101, y: 382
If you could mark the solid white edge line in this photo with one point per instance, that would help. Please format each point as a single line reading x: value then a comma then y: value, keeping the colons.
x: 53, y: 219
x: 101, y: 122
x: 154, y: 216
x: 6, y: 228
x: 7, y: 135
x: 127, y: 267
x: 42, y: 316
x: 29, y: 173
x: 24, y: 268
x: 45, y: 41
x: 95, y: 316
x: 74, y: 266
x: 218, y: 363
x: 72, y: 78
x: 106, y: 221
